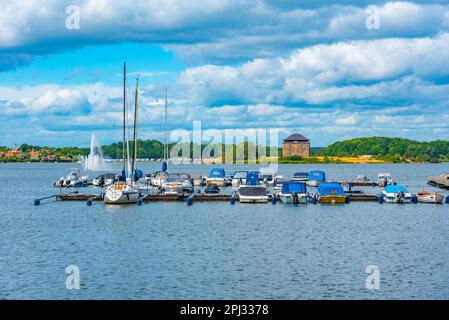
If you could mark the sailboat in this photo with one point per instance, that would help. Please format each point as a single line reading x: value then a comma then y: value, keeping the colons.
x: 123, y: 191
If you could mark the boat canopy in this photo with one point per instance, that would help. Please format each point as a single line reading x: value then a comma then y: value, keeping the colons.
x: 252, y: 178
x: 317, y: 175
x: 396, y: 189
x: 326, y: 189
x: 294, y: 187
x: 217, y: 173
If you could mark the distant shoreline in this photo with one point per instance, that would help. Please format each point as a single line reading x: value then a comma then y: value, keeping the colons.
x: 215, y: 161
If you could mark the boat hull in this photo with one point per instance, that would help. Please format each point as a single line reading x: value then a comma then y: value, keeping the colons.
x: 431, y: 198
x: 121, y: 197
x: 253, y: 199
x: 290, y: 199
x: 393, y: 198
x: 332, y: 199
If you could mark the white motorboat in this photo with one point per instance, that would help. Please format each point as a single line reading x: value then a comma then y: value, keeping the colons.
x: 217, y: 176
x: 104, y: 180
x: 253, y: 194
x: 121, y: 193
x: 74, y: 179
x: 177, y: 184
x: 300, y: 176
x: 294, y: 192
x: 239, y: 178
x: 384, y: 179
x: 429, y: 197
x: 397, y: 194
x: 158, y: 178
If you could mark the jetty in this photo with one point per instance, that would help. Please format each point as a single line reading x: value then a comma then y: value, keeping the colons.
x: 439, y: 181
x: 199, y: 197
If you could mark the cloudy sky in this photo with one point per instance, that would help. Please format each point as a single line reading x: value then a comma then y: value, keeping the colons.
x: 328, y: 70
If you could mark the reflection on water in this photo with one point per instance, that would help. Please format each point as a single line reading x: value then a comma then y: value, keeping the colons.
x: 219, y: 251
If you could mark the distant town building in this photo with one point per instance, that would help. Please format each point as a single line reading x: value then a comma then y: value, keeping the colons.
x: 34, y: 155
x: 296, y: 145
x: 14, y: 152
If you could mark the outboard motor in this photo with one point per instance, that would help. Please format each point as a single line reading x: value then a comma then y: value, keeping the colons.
x: 400, y: 196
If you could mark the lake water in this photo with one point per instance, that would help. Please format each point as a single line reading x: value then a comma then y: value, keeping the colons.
x: 220, y: 251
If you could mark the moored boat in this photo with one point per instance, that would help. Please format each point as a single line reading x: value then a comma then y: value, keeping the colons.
x: 177, y: 184
x: 216, y: 176
x: 425, y: 196
x: 439, y: 181
x: 300, y: 176
x: 74, y: 179
x: 332, y: 193
x: 239, y: 178
x: 397, y: 194
x: 384, y: 179
x: 105, y: 179
x: 121, y: 193
x: 293, y: 192
x: 253, y: 192
x: 316, y: 177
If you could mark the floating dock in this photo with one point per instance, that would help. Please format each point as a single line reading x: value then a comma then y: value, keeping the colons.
x: 196, y: 197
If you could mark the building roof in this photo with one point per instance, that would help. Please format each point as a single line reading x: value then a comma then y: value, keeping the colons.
x: 295, y: 137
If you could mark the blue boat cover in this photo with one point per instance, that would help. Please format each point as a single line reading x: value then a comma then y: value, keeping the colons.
x: 317, y: 175
x: 326, y: 189
x: 294, y: 187
x: 217, y: 173
x: 396, y: 189
x: 138, y: 173
x: 252, y: 178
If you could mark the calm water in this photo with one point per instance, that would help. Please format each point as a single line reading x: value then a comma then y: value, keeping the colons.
x: 219, y: 251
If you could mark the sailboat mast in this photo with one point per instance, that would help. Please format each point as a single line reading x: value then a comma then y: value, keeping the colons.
x: 165, y: 123
x: 134, y: 163
x: 124, y: 117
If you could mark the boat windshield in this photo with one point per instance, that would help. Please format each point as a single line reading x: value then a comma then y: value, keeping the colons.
x: 240, y: 174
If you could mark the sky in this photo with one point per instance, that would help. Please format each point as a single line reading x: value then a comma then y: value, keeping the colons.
x: 330, y: 70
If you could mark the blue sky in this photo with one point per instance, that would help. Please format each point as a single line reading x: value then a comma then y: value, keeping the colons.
x: 311, y: 67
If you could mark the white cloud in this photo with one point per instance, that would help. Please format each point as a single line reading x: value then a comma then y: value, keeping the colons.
x: 203, y: 31
x: 360, y: 70
x: 348, y: 120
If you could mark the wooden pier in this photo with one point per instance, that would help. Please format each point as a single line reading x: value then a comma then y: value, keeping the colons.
x: 195, y: 197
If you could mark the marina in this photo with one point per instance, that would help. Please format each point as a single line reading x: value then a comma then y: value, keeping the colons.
x: 252, y: 188
x: 165, y: 231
